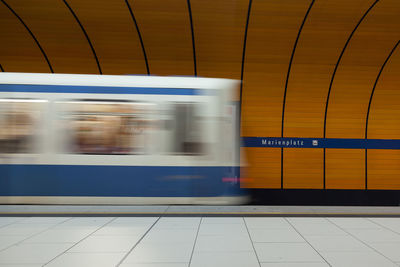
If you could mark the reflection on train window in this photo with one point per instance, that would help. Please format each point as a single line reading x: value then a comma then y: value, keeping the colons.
x: 106, y: 127
x: 188, y: 129
x: 19, y: 120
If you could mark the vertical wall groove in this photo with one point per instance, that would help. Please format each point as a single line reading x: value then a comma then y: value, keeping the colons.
x: 86, y: 35
x: 333, y: 77
x: 193, y: 39
x: 369, y: 107
x: 140, y: 36
x: 32, y: 35
x: 243, y: 60
x: 287, y: 80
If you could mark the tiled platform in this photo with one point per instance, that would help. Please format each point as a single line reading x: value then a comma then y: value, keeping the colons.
x: 199, y: 241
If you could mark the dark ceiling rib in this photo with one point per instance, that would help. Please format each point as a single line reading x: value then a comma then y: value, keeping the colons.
x: 193, y: 43
x: 86, y: 35
x: 243, y: 60
x: 1, y: 68
x: 32, y: 35
x: 287, y: 80
x: 140, y: 36
x: 334, y: 73
x: 369, y: 107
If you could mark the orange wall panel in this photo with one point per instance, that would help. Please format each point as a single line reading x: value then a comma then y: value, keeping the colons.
x: 167, y: 38
x: 59, y: 34
x: 303, y: 168
x: 345, y: 168
x: 113, y: 35
x: 263, y: 168
x: 383, y: 169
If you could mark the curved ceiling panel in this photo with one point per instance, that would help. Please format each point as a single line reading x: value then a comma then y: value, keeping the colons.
x: 59, y: 35
x: 358, y: 69
x: 18, y: 52
x: 219, y: 31
x: 167, y: 37
x: 113, y: 35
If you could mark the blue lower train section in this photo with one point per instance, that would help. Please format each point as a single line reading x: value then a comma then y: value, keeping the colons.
x: 118, y: 181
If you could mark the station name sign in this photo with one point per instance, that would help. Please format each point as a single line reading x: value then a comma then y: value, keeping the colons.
x: 293, y: 142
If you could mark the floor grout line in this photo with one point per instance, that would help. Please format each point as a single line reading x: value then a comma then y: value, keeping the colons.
x: 195, y: 241
x: 137, y: 243
x: 35, y: 234
x: 251, y: 240
x: 307, y: 241
x: 80, y: 241
x: 383, y: 226
x: 360, y: 240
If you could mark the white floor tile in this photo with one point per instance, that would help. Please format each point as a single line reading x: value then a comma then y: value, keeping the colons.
x: 8, y: 240
x: 86, y: 222
x: 121, y: 229
x: 336, y: 243
x: 286, y: 252
x: 223, y: 229
x: 170, y: 236
x: 21, y: 265
x: 294, y: 264
x: 375, y: 235
x: 151, y: 253
x: 87, y: 259
x: 391, y: 223
x: 135, y: 221
x: 223, y: 243
x: 7, y: 220
x: 356, y: 258
x: 270, y: 223
x: 177, y: 222
x: 275, y: 235
x: 107, y: 244
x: 319, y: 229
x: 357, y: 223
x: 389, y: 249
x: 223, y: 220
x: 24, y: 229
x: 161, y: 264
x: 44, y: 220
x: 59, y: 236
x: 32, y: 253
x: 307, y: 220
x: 222, y: 259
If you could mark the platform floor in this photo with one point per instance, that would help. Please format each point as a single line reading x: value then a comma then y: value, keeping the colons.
x: 193, y: 211
x: 199, y: 241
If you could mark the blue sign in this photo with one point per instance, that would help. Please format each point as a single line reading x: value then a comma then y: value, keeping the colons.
x: 320, y: 142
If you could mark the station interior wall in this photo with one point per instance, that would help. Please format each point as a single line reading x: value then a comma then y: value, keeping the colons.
x: 310, y: 68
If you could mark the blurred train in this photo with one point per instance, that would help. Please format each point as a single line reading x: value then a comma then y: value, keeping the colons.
x: 102, y: 139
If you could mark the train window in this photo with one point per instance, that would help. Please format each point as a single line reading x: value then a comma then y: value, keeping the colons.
x: 106, y: 127
x: 187, y: 128
x: 19, y: 125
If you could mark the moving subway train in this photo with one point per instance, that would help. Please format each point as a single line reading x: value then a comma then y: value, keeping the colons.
x: 99, y: 139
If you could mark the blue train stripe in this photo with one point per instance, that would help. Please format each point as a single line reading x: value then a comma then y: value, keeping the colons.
x: 293, y: 142
x: 117, y: 181
x: 29, y: 88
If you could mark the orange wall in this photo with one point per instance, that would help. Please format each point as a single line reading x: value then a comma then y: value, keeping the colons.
x: 297, y: 53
